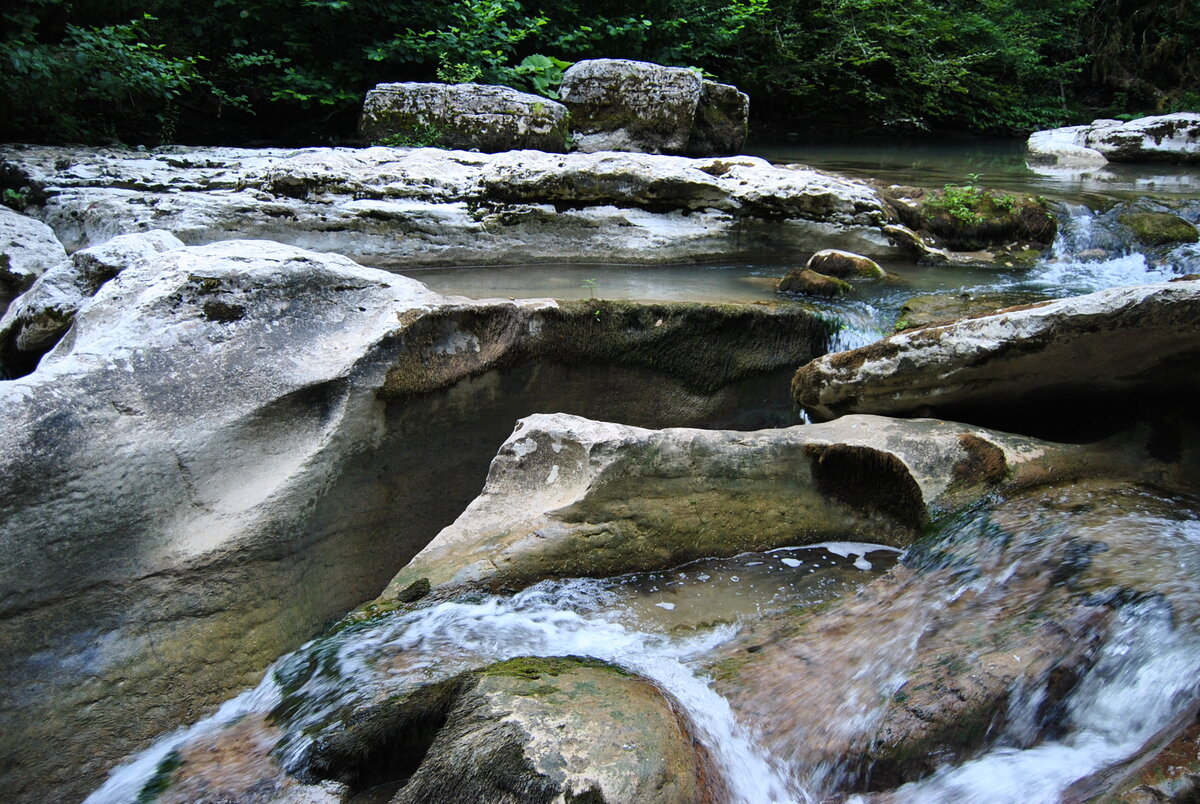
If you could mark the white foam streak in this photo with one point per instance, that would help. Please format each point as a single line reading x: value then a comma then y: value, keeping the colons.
x: 1133, y: 692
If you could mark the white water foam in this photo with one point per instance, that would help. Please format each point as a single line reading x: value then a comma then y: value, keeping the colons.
x: 549, y: 619
x: 1145, y: 674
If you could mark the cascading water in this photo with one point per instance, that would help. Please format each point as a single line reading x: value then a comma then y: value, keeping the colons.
x: 1088, y: 256
x: 598, y: 619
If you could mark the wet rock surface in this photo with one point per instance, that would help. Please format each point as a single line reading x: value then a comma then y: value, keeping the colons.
x: 463, y: 116
x: 390, y: 206
x: 569, y: 496
x: 162, y: 559
x: 934, y: 309
x: 1129, y: 342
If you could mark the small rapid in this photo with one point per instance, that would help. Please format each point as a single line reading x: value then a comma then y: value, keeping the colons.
x: 313, y: 688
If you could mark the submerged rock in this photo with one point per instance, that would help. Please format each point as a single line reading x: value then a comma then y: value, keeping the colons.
x: 943, y: 308
x: 1159, y: 228
x: 394, y: 206
x: 236, y: 442
x: 465, y: 116
x: 811, y: 283
x: 28, y: 248
x: 845, y: 265
x: 1110, y: 347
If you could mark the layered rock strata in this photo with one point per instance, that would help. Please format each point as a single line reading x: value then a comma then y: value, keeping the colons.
x: 395, y: 206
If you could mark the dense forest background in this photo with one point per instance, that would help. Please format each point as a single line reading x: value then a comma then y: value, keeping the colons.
x: 295, y: 71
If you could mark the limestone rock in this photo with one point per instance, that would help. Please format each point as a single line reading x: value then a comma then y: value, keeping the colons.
x: 623, y: 105
x: 28, y: 248
x: 39, y: 317
x: 1161, y: 138
x: 844, y: 265
x: 722, y: 121
x: 538, y: 729
x: 1114, y: 344
x: 467, y: 116
x: 566, y: 496
x: 398, y: 206
x: 201, y: 469
x: 1065, y: 147
x: 810, y: 283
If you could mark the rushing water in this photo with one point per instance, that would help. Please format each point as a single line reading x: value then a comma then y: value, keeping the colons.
x: 666, y: 625
x: 655, y: 624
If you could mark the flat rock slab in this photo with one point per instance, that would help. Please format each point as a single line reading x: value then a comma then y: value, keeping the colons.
x: 393, y: 206
x: 1124, y: 344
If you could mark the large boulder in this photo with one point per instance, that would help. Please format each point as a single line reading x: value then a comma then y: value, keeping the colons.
x: 568, y: 496
x: 1111, y: 348
x: 28, y: 248
x: 395, y: 206
x: 38, y: 318
x: 722, y: 121
x: 467, y: 116
x: 623, y: 105
x: 1161, y: 138
x: 235, y: 443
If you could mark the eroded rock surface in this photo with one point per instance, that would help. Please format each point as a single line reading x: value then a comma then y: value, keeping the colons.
x: 236, y: 442
x: 392, y: 206
x: 1129, y: 343
x: 40, y: 316
x: 28, y: 248
x: 570, y: 497
x: 1161, y: 138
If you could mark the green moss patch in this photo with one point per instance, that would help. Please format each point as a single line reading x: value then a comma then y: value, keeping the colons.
x: 1159, y: 228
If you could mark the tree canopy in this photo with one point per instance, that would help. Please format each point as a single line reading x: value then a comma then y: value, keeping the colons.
x: 151, y: 71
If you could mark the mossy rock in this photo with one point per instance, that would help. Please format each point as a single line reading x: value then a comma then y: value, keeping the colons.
x: 941, y: 308
x: 845, y: 265
x: 1159, y: 228
x: 810, y: 283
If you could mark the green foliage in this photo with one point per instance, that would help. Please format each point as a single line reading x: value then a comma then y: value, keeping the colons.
x: 14, y: 199
x: 970, y: 203
x: 228, y: 70
x: 426, y: 136
x: 590, y: 286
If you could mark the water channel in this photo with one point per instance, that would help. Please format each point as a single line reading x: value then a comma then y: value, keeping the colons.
x: 1139, y: 679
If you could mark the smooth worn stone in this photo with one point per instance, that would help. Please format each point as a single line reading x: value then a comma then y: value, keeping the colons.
x: 810, y: 283
x: 197, y: 476
x: 1065, y: 147
x: 566, y: 496
x: 28, y: 248
x: 623, y: 105
x: 406, y: 207
x: 845, y: 265
x: 1114, y: 346
x: 464, y: 116
x: 1161, y: 138
x: 36, y: 320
